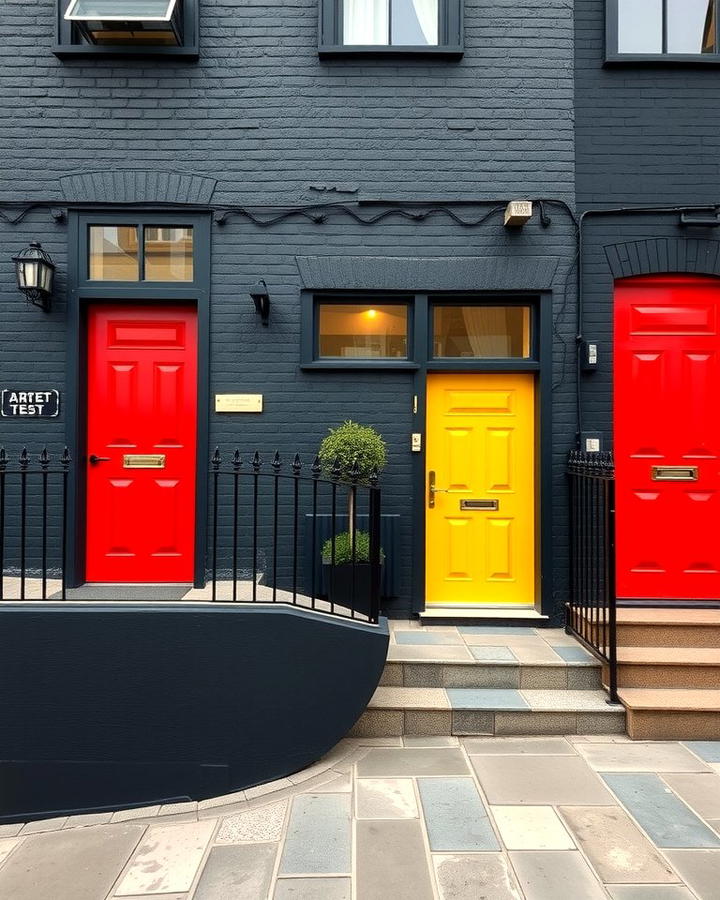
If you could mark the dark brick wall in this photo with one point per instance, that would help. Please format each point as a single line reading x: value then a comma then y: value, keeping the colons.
x: 645, y: 135
x: 275, y: 125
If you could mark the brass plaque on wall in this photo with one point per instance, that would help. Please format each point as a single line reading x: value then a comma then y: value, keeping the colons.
x: 239, y: 403
x: 674, y: 473
x: 144, y: 461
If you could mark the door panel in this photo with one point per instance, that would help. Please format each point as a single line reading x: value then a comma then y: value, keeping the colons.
x: 667, y: 381
x: 142, y: 399
x: 480, y: 445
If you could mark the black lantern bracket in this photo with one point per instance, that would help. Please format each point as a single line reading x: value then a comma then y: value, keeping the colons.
x: 34, y: 271
x: 261, y: 299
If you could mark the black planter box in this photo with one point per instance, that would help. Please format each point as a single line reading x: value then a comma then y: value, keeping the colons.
x: 339, y: 584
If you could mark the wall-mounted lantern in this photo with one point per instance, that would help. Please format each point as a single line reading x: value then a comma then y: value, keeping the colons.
x: 127, y: 22
x: 34, y: 271
x: 261, y: 299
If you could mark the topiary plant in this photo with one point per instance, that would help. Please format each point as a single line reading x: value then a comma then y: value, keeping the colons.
x: 352, y: 451
x: 344, y: 548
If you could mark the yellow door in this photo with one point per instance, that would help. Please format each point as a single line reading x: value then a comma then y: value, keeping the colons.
x: 480, y: 496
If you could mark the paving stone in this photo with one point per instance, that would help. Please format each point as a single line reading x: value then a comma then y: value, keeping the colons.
x: 649, y: 892
x: 442, y: 653
x: 510, y: 640
x: 430, y: 741
x: 455, y: 816
x: 506, y: 631
x: 6, y: 845
x: 493, y: 653
x: 238, y: 872
x: 473, y: 722
x: 532, y: 722
x: 263, y: 790
x: 416, y: 697
x: 617, y: 849
x: 467, y: 698
x: 510, y: 746
x: 531, y: 828
x: 549, y: 874
x: 43, y: 825
x: 391, y: 861
x: 423, y: 675
x: 700, y: 791
x: 262, y: 824
x: 448, y: 638
x: 667, y: 821
x: 167, y: 859
x: 699, y: 869
x: 390, y: 763
x: 7, y: 831
x: 392, y: 675
x: 567, y: 701
x: 313, y: 889
x: 603, y: 723
x: 482, y: 876
x: 182, y: 896
x: 337, y: 785
x: 537, y: 653
x: 572, y: 654
x: 88, y: 819
x: 707, y: 750
x: 318, y: 839
x: 77, y: 864
x: 584, y: 678
x: 490, y: 675
x: 386, y: 798
x: 427, y: 722
x: 142, y: 812
x: 539, y: 781
x: 641, y: 757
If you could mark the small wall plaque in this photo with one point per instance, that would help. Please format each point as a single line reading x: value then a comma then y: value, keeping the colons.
x: 239, y: 403
x: 30, y: 404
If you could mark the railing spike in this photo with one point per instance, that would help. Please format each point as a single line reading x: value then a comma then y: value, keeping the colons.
x: 24, y: 459
x: 276, y: 463
x: 216, y: 459
x: 256, y: 461
x: 296, y: 465
x: 3, y: 459
x: 316, y: 467
x: 65, y: 459
x: 44, y: 459
x: 236, y: 460
x: 374, y: 477
x: 355, y: 471
x: 336, y: 470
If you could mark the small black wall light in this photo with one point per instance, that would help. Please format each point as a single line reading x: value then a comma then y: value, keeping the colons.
x: 34, y: 270
x: 261, y: 299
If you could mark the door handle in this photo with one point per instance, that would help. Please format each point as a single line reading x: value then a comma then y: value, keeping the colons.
x: 432, y: 490
x: 94, y: 460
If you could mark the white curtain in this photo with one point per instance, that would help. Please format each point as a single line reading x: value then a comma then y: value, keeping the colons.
x: 427, y: 15
x: 366, y: 21
x: 487, y: 330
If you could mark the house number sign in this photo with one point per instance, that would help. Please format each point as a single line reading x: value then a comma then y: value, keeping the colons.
x: 30, y: 403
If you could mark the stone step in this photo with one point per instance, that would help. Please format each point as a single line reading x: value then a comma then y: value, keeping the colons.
x: 579, y: 675
x: 658, y: 627
x: 663, y: 714
x: 397, y: 711
x: 667, y: 667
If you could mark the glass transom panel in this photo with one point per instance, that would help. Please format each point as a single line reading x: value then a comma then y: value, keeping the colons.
x: 481, y: 332
x: 122, y: 10
x: 409, y: 23
x: 140, y: 253
x: 362, y: 331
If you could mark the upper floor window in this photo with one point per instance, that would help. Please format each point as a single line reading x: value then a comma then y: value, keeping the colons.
x: 672, y: 30
x: 387, y: 26
x: 127, y: 28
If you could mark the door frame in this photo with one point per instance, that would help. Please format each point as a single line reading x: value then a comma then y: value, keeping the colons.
x: 80, y: 294
x: 540, y: 366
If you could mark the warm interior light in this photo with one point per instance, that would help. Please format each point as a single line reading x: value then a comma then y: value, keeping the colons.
x: 371, y: 313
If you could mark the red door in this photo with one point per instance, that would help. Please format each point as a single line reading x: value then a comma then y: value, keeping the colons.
x: 667, y: 437
x: 142, y: 414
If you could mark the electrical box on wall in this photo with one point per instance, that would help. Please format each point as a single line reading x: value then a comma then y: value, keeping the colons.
x: 591, y: 442
x: 589, y: 356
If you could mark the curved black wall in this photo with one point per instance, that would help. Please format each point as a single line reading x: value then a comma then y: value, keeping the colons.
x: 114, y: 705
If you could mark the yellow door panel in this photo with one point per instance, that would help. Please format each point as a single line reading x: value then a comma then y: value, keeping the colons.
x: 480, y: 446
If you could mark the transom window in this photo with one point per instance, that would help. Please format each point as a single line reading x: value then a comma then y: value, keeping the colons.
x: 140, y: 253
x: 667, y: 29
x: 386, y: 26
x: 480, y: 332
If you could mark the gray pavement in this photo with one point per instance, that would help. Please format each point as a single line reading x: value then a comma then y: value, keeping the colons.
x: 408, y: 819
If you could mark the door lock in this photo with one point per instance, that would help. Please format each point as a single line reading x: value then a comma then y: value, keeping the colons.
x: 432, y: 490
x: 94, y: 460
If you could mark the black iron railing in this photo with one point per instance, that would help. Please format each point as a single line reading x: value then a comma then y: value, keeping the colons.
x: 33, y: 525
x: 592, y: 612
x: 260, y: 544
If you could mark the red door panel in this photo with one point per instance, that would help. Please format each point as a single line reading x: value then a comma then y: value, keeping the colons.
x: 142, y: 400
x: 667, y: 385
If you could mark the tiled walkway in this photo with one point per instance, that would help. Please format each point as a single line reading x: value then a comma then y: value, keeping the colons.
x: 408, y: 819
